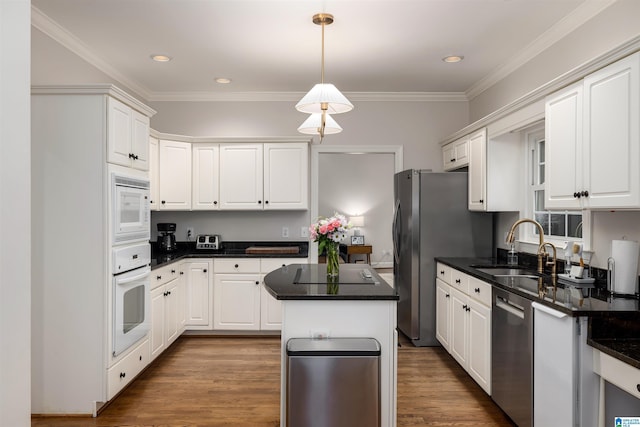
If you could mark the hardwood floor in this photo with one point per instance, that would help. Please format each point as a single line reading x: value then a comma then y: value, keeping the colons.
x: 225, y: 381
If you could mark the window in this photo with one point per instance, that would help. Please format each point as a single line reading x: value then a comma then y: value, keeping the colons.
x: 562, y: 225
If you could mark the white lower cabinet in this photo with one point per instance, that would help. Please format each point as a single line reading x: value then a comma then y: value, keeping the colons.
x: 121, y: 374
x: 463, y: 323
x: 199, y: 294
x: 236, y: 294
x: 240, y: 300
x: 168, y: 314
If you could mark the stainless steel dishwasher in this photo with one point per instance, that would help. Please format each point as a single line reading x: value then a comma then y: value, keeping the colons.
x: 512, y: 356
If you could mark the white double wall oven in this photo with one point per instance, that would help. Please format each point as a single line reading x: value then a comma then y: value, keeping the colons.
x: 130, y: 219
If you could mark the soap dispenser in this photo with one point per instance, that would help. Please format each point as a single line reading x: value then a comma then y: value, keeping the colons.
x: 512, y: 257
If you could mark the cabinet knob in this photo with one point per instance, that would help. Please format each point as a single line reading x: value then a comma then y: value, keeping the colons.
x: 442, y: 272
x: 259, y: 202
x: 481, y: 201
x: 215, y: 202
x: 182, y: 272
x: 140, y: 358
x: 446, y: 296
x: 452, y: 160
x: 168, y: 292
x: 237, y: 266
x: 158, y: 277
x: 468, y: 309
x: 204, y: 270
x: 122, y: 374
x: 131, y: 155
x: 585, y: 194
x: 457, y: 280
x: 638, y: 387
x: 464, y: 307
x: 477, y: 290
x: 163, y: 202
x: 266, y: 202
x: 257, y: 282
x: 135, y: 157
x: 173, y: 272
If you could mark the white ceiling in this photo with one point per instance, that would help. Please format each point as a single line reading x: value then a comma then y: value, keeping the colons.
x: 267, y: 46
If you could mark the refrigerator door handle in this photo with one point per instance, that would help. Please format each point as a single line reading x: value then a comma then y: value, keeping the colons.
x: 396, y: 237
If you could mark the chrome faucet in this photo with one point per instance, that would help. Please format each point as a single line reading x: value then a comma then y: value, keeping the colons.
x: 511, y: 238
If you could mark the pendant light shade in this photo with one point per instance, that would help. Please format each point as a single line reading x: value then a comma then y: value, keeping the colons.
x: 314, y: 126
x: 327, y: 95
x: 323, y: 99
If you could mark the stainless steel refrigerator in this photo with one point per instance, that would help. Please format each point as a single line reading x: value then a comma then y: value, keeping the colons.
x: 431, y: 219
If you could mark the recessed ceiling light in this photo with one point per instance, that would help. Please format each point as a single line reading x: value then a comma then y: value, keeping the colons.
x: 161, y: 58
x: 223, y: 80
x: 453, y: 58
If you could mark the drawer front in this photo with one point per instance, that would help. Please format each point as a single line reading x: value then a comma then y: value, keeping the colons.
x: 480, y: 291
x: 443, y: 272
x: 460, y: 281
x: 267, y: 265
x: 121, y: 374
x: 618, y: 373
x: 236, y: 265
x: 163, y: 275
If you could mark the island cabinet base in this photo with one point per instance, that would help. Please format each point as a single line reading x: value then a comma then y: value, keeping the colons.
x: 345, y: 319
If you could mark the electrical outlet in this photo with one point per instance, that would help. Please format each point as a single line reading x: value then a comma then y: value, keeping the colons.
x: 285, y: 231
x: 304, y: 232
x: 190, y: 232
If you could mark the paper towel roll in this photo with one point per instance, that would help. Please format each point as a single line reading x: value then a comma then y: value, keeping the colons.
x: 625, y: 257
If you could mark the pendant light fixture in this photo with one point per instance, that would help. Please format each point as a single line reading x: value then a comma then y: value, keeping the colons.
x: 323, y: 99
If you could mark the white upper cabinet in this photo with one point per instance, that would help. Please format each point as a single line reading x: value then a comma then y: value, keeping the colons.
x: 241, y: 176
x: 495, y: 172
x: 455, y: 155
x: 593, y: 140
x: 478, y: 171
x: 154, y: 176
x: 563, y: 146
x: 127, y: 136
x: 264, y: 176
x: 205, y: 182
x: 286, y: 176
x: 175, y: 175
x: 611, y: 135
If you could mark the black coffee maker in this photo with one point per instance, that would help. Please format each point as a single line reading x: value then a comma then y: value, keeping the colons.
x: 166, y: 236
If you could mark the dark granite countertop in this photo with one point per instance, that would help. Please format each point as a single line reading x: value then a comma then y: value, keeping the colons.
x: 309, y: 282
x: 227, y: 250
x: 574, y: 302
x: 614, y: 322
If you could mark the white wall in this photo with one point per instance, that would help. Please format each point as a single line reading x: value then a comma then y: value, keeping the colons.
x: 607, y: 30
x: 15, y: 246
x: 360, y: 184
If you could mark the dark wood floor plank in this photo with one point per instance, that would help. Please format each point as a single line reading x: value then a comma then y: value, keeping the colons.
x: 235, y: 381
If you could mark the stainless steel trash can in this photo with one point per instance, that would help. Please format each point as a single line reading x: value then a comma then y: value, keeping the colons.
x: 333, y: 382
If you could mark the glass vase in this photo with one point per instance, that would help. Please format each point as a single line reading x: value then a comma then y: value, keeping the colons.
x: 333, y: 263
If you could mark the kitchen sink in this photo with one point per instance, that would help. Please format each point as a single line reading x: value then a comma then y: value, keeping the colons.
x: 509, y: 272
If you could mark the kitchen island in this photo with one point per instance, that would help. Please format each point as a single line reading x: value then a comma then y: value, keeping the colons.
x: 353, y: 306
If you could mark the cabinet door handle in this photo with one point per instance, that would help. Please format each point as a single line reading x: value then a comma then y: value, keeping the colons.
x: 457, y: 280
x: 452, y: 160
x: 122, y: 374
x: 140, y: 358
x: 477, y: 290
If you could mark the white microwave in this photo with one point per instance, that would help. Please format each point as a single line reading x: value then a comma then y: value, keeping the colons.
x: 131, y: 215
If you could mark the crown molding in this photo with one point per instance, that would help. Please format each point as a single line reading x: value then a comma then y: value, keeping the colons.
x: 561, y: 29
x: 295, y: 96
x: 54, y: 30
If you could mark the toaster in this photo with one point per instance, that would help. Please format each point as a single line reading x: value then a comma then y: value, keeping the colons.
x: 208, y: 241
